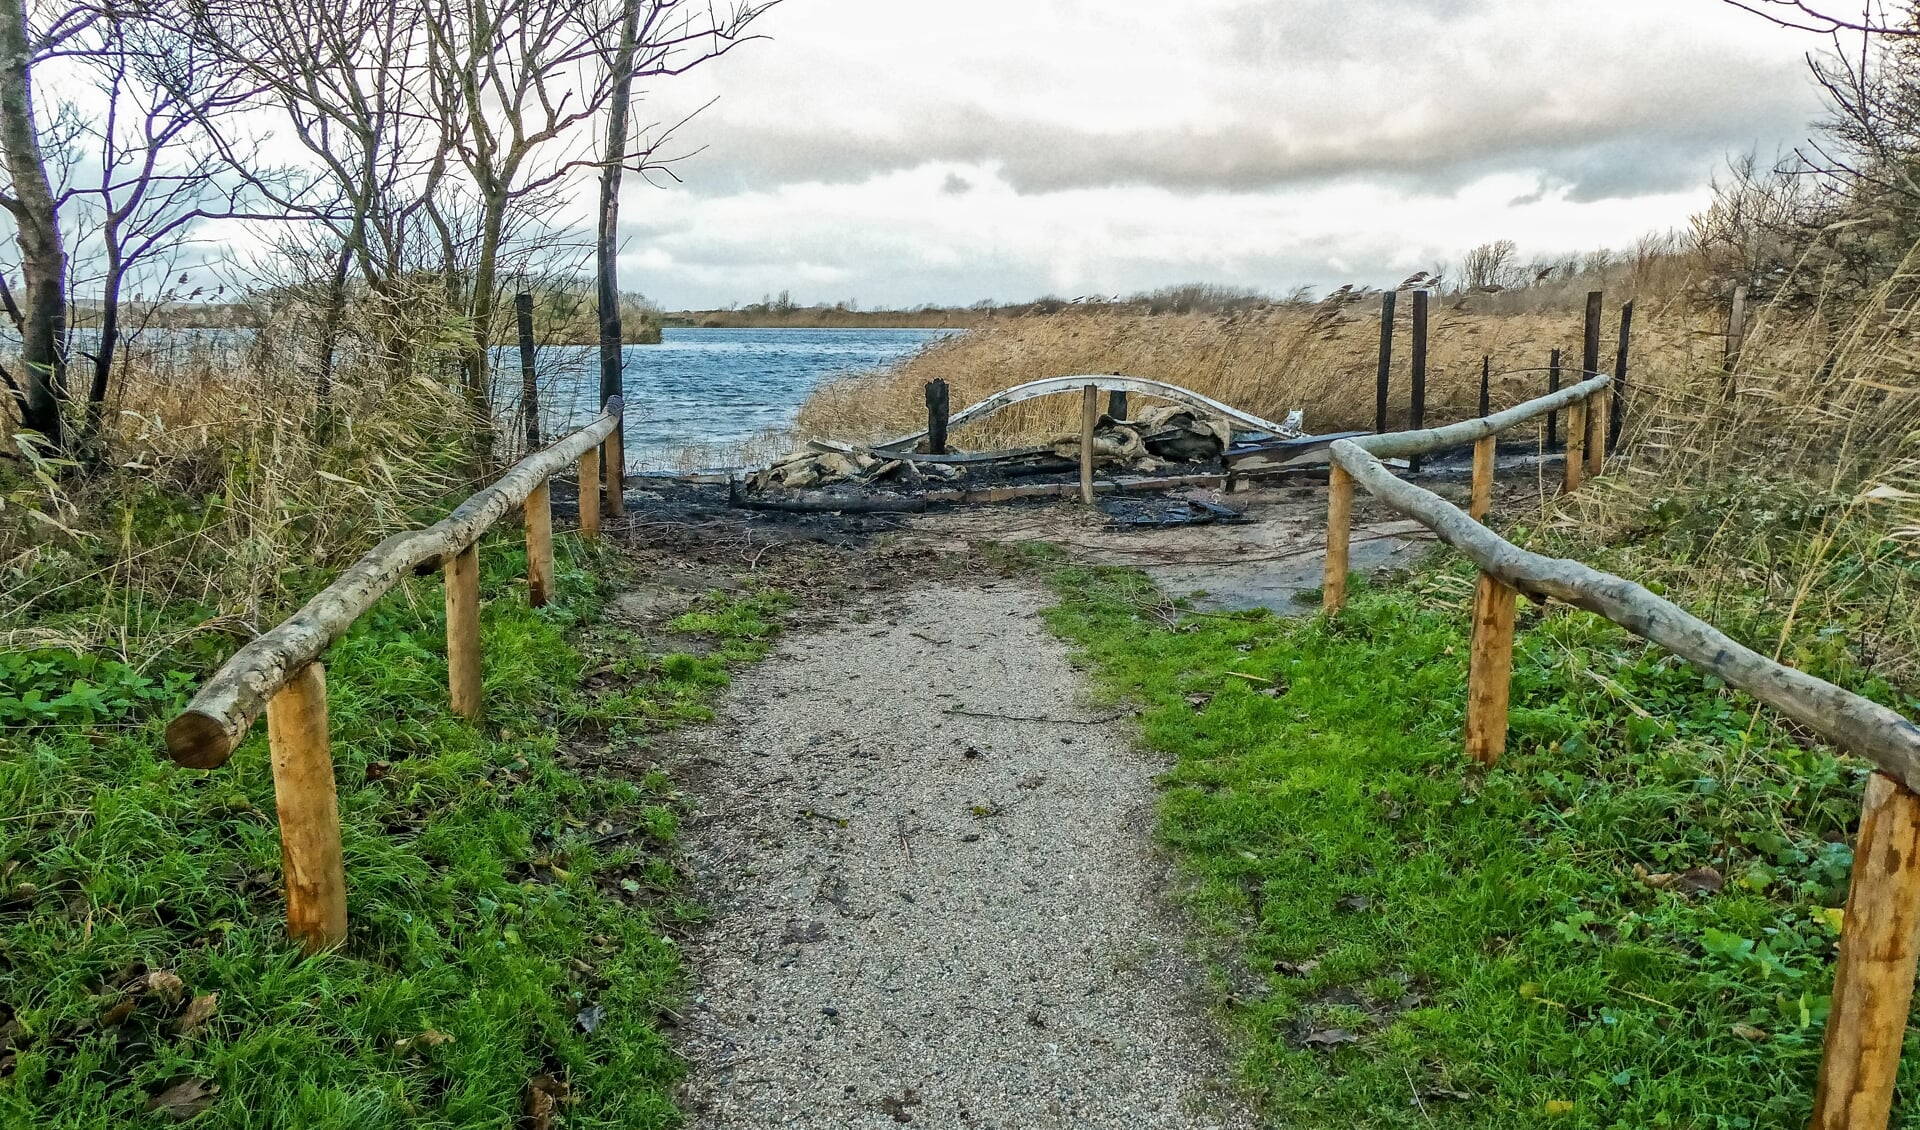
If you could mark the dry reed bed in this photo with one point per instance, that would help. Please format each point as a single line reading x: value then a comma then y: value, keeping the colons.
x: 1322, y: 359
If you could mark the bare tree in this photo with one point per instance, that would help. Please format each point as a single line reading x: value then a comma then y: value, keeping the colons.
x: 1824, y: 19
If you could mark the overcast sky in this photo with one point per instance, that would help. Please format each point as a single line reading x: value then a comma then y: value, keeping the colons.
x: 895, y: 152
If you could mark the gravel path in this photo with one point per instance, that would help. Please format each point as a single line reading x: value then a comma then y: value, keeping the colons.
x: 929, y: 916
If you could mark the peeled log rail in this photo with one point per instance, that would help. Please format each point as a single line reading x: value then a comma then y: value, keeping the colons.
x: 205, y: 734
x: 1850, y: 722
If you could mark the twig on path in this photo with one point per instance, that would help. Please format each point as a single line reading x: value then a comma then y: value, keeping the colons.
x: 1037, y: 717
x: 1244, y: 675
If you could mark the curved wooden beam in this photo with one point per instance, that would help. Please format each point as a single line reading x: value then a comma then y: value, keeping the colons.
x: 1108, y: 382
x: 204, y: 735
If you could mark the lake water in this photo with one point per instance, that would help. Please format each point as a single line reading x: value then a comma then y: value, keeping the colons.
x: 712, y: 389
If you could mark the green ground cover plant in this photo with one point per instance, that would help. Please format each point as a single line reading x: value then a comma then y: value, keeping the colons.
x: 1630, y: 922
x: 512, y: 917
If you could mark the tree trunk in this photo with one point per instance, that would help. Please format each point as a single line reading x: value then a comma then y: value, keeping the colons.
x: 612, y: 382
x: 43, y: 261
x: 478, y: 372
x: 109, y: 343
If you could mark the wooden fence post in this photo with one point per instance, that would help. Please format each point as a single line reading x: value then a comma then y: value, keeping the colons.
x: 1381, y: 380
x: 1486, y: 381
x: 529, y: 385
x: 1553, y: 386
x: 1117, y: 404
x: 1482, y: 503
x: 462, y: 580
x: 310, y: 857
x: 1417, y: 408
x: 1617, y: 415
x: 1333, y: 590
x: 590, y: 493
x: 1596, y: 433
x: 538, y: 522
x: 1089, y: 419
x: 1490, y: 669
x: 1590, y: 339
x: 1576, y: 461
x: 1736, y: 325
x: 1873, y: 981
x: 939, y: 403
x: 613, y: 468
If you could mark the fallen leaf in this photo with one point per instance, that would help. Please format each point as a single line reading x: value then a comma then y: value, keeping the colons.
x: 197, y: 1014
x: 1330, y: 1037
x: 1353, y: 904
x: 117, y: 1015
x: 1444, y: 1094
x: 544, y: 1096
x: 1199, y: 699
x: 1296, y: 968
x: 166, y: 984
x: 589, y: 1019
x: 185, y: 1100
x: 377, y: 770
x: 1700, y: 881
x: 1558, y: 1107
x: 1749, y: 1032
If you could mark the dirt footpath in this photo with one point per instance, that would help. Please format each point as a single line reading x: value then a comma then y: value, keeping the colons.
x: 936, y: 895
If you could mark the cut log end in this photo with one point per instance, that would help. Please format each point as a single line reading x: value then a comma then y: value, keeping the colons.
x: 199, y: 741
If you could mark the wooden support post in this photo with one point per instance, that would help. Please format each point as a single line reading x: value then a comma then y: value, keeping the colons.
x: 613, y: 465
x: 310, y: 857
x: 1617, y: 414
x: 590, y: 493
x: 1089, y: 418
x: 1736, y: 325
x: 939, y: 405
x: 1490, y: 669
x: 1553, y: 386
x: 529, y: 386
x: 1333, y: 591
x: 1596, y: 434
x: 1381, y: 379
x: 1117, y: 404
x: 1590, y: 339
x: 538, y: 515
x: 1486, y: 381
x: 1873, y: 981
x: 1417, y: 408
x: 1576, y: 461
x: 462, y: 580
x: 1482, y: 503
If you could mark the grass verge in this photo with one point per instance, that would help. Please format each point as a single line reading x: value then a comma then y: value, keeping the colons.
x: 1629, y: 923
x: 511, y: 918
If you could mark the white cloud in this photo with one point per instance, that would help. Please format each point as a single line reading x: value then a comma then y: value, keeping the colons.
x: 900, y: 153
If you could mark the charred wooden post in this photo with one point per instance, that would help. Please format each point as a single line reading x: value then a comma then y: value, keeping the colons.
x: 1490, y: 669
x: 1590, y: 338
x: 1617, y: 415
x: 1117, y: 404
x: 1333, y: 590
x: 1486, y: 381
x: 1873, y: 980
x: 590, y: 493
x: 1576, y: 461
x: 1417, y: 408
x: 303, y: 792
x: 1089, y: 419
x: 1553, y: 386
x: 1483, y: 455
x: 462, y: 581
x: 938, y: 410
x: 538, y: 522
x: 529, y: 386
x: 1382, y: 378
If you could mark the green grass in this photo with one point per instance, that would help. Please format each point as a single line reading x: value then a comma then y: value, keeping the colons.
x: 1408, y: 940
x: 495, y: 897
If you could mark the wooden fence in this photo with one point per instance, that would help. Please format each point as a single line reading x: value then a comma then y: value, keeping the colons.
x: 280, y: 673
x: 1880, y: 933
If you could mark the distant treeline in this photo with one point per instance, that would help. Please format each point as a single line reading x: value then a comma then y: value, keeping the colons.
x: 562, y: 315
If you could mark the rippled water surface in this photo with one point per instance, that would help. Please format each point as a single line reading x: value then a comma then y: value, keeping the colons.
x: 709, y: 389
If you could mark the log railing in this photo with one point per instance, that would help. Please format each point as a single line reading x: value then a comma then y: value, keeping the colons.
x: 280, y: 673
x: 1880, y: 933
